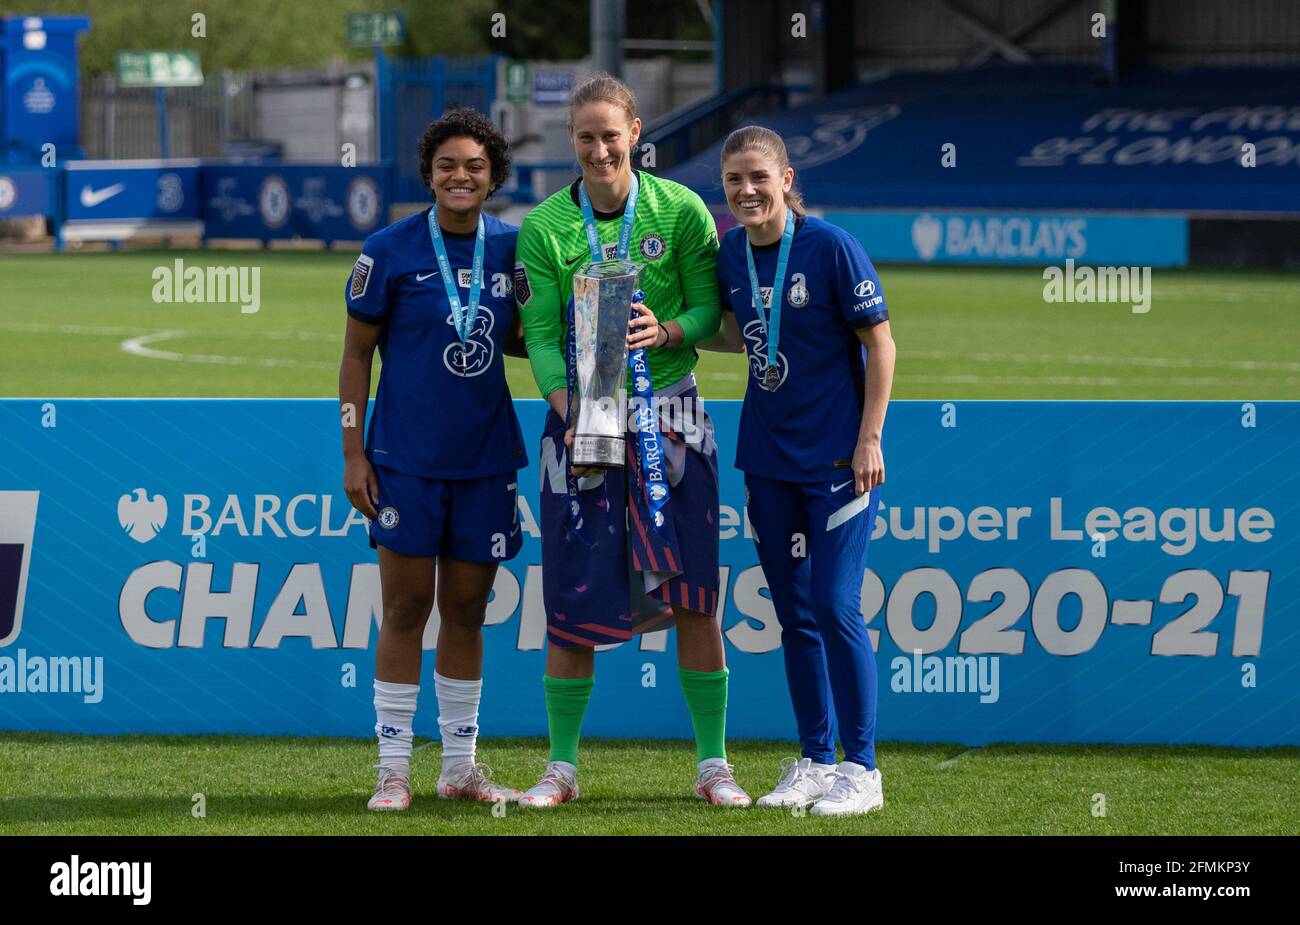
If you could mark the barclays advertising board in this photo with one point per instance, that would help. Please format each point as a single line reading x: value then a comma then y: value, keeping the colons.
x: 1039, y: 571
x: 1018, y: 238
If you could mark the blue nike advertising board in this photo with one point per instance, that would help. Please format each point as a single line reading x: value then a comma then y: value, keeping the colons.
x: 1120, y: 572
x: 132, y: 191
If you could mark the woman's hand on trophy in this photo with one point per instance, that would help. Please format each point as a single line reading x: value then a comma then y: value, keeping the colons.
x: 644, y: 330
x: 578, y: 471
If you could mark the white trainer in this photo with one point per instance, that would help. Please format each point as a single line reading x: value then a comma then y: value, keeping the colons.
x: 716, y: 785
x: 854, y: 790
x: 802, y: 783
x: 392, y: 792
x: 558, y: 785
x: 470, y: 781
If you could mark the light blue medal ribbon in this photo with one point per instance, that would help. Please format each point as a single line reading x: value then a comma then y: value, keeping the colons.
x: 650, y: 453
x: 624, y: 232
x: 771, y: 323
x: 462, y: 317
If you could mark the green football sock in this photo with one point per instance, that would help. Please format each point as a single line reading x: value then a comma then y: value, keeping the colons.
x: 566, y: 704
x: 706, y: 698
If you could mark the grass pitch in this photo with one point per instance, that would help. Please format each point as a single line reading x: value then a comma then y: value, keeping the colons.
x: 86, y: 325
x: 62, y: 784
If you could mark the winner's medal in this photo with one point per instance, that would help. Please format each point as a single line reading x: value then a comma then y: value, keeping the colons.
x: 462, y: 317
x: 771, y: 324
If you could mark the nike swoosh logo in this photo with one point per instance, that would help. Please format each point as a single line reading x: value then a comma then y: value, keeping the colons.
x: 735, y: 290
x: 850, y: 510
x: 421, y: 277
x: 575, y: 259
x: 835, y: 488
x: 93, y: 197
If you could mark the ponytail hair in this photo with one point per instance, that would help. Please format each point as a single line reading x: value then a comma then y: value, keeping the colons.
x: 768, y: 144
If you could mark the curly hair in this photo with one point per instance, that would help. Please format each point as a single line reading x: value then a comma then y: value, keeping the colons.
x: 466, y: 123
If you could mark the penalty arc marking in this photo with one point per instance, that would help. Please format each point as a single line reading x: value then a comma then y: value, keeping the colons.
x: 139, y: 346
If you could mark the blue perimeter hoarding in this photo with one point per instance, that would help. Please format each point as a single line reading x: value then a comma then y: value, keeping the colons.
x: 1041, y: 571
x: 1025, y: 238
x: 132, y: 191
x: 26, y: 192
x: 279, y: 201
x: 115, y: 200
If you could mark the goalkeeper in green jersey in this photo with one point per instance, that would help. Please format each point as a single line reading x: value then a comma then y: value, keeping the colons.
x: 620, y: 554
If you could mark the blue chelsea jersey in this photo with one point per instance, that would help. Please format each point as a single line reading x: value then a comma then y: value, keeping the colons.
x: 804, y: 426
x: 443, y: 409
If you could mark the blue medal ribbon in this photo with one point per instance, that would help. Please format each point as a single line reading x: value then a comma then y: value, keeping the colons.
x: 771, y: 324
x: 462, y: 317
x: 650, y: 452
x: 654, y: 479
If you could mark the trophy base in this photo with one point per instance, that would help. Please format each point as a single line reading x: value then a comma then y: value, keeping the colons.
x: 599, y: 451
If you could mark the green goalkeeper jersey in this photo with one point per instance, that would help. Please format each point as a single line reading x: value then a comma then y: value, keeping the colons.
x: 674, y: 240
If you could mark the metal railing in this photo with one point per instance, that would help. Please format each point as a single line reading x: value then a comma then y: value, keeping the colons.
x: 682, y: 134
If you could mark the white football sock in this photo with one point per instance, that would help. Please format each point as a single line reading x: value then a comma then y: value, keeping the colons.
x: 394, y: 715
x: 457, y: 718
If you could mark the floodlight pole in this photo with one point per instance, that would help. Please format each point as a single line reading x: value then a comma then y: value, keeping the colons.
x: 608, y: 27
x: 160, y: 98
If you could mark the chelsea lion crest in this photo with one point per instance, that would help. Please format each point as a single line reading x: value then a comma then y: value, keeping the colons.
x: 653, y: 247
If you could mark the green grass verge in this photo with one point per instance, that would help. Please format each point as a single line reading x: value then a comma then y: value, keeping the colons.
x: 138, y: 785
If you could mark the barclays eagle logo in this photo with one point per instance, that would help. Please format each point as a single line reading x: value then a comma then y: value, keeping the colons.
x: 142, y: 517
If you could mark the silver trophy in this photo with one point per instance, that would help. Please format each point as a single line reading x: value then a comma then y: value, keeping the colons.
x: 602, y: 307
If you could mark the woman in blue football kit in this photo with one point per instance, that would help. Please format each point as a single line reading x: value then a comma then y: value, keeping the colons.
x: 801, y: 297
x: 437, y: 475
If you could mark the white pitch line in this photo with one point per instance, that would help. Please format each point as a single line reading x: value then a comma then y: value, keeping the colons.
x: 967, y: 379
x: 36, y: 327
x: 1086, y: 360
x: 953, y: 760
x: 138, y: 346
